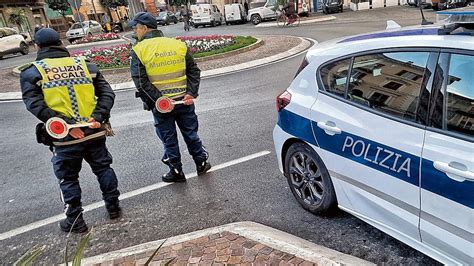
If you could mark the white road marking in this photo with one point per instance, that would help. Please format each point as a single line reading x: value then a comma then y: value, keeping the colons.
x: 130, y: 194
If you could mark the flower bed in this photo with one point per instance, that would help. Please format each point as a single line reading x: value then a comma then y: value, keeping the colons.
x: 199, y: 44
x: 118, y: 56
x: 97, y: 38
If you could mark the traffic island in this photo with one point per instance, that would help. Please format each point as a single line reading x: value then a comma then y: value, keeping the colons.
x: 266, y: 50
x: 242, y: 243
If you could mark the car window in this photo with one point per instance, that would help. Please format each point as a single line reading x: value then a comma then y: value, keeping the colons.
x: 334, y: 77
x: 388, y: 82
x: 460, y: 95
x: 76, y: 26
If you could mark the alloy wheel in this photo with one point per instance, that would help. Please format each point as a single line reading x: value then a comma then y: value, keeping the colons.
x: 306, y: 178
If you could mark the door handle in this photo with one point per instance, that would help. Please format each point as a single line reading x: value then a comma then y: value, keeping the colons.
x: 329, y: 127
x: 452, y: 171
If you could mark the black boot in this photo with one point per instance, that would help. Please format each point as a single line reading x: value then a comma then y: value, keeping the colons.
x: 202, y: 168
x: 114, y: 210
x: 74, y: 224
x: 174, y: 175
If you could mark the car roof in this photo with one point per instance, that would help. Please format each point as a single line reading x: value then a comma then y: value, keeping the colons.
x: 415, y: 36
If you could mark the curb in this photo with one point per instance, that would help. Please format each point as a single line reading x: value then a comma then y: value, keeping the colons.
x: 305, y: 44
x: 71, y: 46
x: 266, y: 235
x: 255, y: 45
x: 274, y: 24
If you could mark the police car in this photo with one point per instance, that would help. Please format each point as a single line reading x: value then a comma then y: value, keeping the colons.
x: 382, y: 126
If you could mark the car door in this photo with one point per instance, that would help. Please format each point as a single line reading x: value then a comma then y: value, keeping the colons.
x: 268, y: 9
x: 370, y: 131
x: 447, y: 174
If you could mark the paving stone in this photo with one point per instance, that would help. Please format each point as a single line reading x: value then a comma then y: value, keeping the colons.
x: 209, y: 256
x: 250, y: 252
x: 296, y: 260
x: 249, y: 244
x: 262, y: 257
x: 210, y: 243
x: 239, y: 251
x: 222, y: 246
x: 177, y: 246
x: 200, y: 240
x: 194, y: 260
x: 221, y: 240
x: 307, y: 263
x: 214, y: 236
x: 246, y: 258
x: 206, y: 262
x: 234, y: 260
x: 287, y: 257
x: 232, y: 236
x: 225, y: 251
x: 210, y: 250
x: 222, y: 258
x: 266, y: 250
x: 258, y: 247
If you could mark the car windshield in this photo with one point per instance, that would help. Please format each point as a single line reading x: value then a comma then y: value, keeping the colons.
x: 257, y: 4
x: 162, y: 14
x: 76, y: 26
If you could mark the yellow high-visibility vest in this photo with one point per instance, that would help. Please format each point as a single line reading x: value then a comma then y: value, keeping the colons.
x: 67, y: 87
x: 165, y: 63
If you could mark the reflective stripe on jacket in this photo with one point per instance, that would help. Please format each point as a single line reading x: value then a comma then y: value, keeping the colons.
x: 67, y: 87
x: 165, y: 63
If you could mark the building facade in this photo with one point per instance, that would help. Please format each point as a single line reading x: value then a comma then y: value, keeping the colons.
x: 33, y: 10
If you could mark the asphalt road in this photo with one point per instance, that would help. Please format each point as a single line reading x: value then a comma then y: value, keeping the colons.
x: 237, y: 115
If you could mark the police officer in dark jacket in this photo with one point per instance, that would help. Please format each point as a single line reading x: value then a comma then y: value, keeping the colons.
x: 57, y: 85
x: 165, y: 67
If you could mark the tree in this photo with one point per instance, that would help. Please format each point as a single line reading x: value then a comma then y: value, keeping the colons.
x: 60, y: 6
x: 114, y: 3
x: 18, y: 17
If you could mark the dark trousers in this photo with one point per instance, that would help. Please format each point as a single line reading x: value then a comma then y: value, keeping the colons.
x: 186, y: 119
x: 67, y: 163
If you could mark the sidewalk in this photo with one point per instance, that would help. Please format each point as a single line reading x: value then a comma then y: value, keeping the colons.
x: 275, y: 48
x: 242, y: 243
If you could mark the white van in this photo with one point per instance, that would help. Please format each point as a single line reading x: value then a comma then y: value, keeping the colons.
x: 234, y: 13
x: 206, y: 14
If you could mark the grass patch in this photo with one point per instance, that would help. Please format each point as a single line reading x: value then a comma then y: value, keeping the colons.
x: 240, y: 42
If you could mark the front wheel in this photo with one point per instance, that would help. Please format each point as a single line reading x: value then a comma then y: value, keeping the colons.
x: 24, y: 48
x: 256, y: 19
x: 309, y: 180
x: 282, y: 21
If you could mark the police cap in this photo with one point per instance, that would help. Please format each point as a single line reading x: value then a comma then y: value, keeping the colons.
x: 144, y: 18
x: 47, y: 37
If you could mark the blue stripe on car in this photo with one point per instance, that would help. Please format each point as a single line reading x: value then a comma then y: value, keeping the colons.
x: 397, y: 163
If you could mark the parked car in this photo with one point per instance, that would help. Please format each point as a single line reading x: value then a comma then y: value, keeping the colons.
x: 332, y: 6
x: 178, y: 16
x: 261, y: 11
x: 166, y: 18
x: 234, y: 13
x: 381, y: 126
x: 422, y: 3
x: 86, y: 28
x: 206, y: 14
x: 445, y: 4
x: 12, y: 42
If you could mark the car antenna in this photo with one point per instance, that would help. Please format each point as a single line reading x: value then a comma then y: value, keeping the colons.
x: 423, y: 19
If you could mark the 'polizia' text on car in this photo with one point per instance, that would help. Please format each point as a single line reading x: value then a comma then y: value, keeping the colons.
x: 382, y: 126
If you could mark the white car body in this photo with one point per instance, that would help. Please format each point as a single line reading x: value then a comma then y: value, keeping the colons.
x: 89, y: 28
x: 423, y: 195
x: 12, y: 42
x: 234, y: 13
x: 262, y: 13
x: 206, y: 14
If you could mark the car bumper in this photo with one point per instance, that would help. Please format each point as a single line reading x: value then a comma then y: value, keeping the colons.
x: 279, y: 139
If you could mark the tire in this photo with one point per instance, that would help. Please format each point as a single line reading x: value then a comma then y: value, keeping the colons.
x: 213, y: 23
x: 309, y: 180
x: 196, y: 26
x: 256, y: 19
x: 282, y: 20
x: 24, y: 48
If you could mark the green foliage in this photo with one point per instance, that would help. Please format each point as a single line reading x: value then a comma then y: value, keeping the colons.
x: 240, y: 42
x: 154, y: 253
x: 58, y: 5
x: 30, y: 256
x: 80, y: 250
x: 18, y: 18
x: 114, y: 3
x: 182, y: 2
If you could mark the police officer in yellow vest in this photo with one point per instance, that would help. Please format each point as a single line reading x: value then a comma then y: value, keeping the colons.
x: 164, y: 67
x: 57, y: 85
